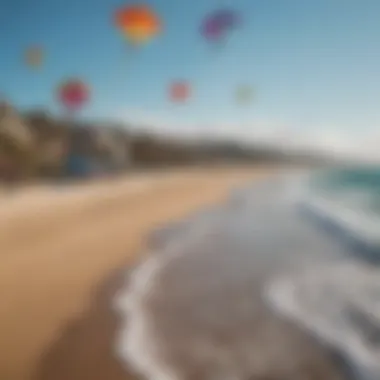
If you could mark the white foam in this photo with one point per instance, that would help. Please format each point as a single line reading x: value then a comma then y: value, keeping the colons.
x: 319, y: 299
x: 350, y: 211
x: 137, y: 344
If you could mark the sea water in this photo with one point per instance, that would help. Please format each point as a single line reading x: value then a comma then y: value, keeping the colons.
x: 349, y: 198
x: 340, y: 303
x: 194, y: 309
x: 198, y: 288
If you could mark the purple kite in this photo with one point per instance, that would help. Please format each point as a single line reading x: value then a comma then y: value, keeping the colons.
x: 218, y: 23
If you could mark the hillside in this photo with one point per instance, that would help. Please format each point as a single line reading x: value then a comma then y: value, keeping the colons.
x: 35, y: 145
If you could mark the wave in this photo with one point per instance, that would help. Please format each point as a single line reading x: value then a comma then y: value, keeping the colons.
x: 138, y: 342
x: 348, y: 199
x: 340, y: 305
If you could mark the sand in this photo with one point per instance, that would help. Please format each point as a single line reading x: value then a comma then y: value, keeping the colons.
x: 58, y: 248
x: 85, y: 348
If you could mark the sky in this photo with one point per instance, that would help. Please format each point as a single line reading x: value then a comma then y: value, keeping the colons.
x: 314, y: 64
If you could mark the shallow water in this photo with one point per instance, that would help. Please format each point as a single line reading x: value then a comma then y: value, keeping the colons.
x: 195, y: 308
x: 357, y: 188
x: 348, y: 202
x: 341, y: 305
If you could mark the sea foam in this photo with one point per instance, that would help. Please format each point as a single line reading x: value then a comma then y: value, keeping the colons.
x: 137, y: 344
x: 339, y: 304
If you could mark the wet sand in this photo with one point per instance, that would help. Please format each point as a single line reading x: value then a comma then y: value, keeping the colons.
x: 52, y: 259
x: 85, y: 347
x: 206, y: 309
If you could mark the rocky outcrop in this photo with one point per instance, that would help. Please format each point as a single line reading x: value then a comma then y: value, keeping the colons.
x: 14, y: 129
x: 17, y: 146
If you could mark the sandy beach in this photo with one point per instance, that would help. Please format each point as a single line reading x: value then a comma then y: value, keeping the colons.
x: 58, y: 247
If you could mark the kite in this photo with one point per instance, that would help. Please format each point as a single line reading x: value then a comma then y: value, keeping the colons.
x: 137, y: 23
x: 244, y: 94
x: 73, y: 94
x: 34, y: 57
x: 219, y: 23
x: 179, y: 91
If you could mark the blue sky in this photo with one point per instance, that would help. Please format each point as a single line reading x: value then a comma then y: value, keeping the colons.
x: 312, y: 63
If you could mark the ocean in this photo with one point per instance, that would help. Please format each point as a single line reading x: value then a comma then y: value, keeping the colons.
x: 194, y: 309
x: 212, y: 302
x: 340, y: 303
x: 347, y: 201
x: 358, y: 187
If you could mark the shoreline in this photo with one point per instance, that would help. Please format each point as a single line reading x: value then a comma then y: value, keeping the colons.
x: 88, y: 346
x: 60, y: 262
x: 85, y: 348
